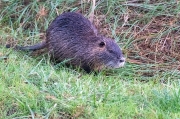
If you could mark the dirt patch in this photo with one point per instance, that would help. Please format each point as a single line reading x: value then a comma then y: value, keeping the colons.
x: 159, y: 41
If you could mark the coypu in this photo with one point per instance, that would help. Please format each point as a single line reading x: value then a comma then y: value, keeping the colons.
x: 72, y: 37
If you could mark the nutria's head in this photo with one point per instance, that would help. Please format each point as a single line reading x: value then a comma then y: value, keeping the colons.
x: 104, y: 53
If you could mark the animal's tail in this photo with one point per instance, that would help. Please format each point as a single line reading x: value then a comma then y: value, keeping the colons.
x: 37, y: 46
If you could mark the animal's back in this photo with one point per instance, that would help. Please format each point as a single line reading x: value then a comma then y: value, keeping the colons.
x: 67, y: 36
x: 72, y: 24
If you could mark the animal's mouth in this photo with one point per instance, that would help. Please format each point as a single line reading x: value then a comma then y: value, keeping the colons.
x: 112, y: 65
x: 121, y: 62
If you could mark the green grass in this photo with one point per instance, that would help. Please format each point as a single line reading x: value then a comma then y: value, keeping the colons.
x: 31, y: 87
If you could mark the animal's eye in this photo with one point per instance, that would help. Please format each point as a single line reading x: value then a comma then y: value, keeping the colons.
x: 102, y: 44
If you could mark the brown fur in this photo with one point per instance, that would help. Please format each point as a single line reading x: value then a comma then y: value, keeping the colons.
x: 72, y: 37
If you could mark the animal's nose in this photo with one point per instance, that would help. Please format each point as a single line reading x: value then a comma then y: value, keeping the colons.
x: 122, y: 60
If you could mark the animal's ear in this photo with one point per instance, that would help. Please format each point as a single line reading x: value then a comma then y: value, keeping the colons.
x: 101, y: 44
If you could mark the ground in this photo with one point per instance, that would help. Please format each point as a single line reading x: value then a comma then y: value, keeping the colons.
x: 147, y: 87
